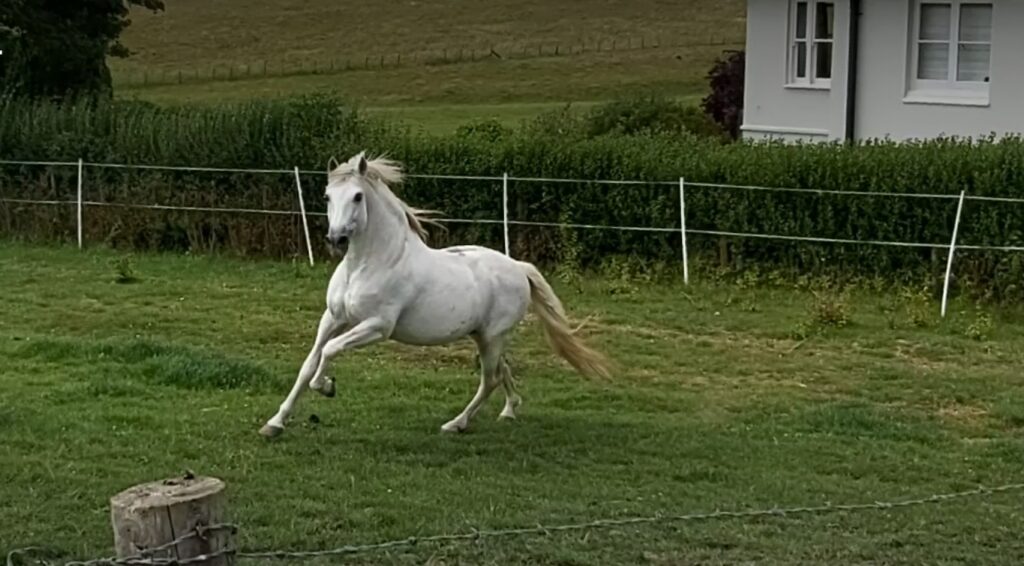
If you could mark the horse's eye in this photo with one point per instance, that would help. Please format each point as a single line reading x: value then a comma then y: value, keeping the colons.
x: 359, y: 197
x: 327, y: 198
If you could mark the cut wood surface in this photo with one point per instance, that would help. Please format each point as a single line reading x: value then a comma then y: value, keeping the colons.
x: 149, y: 518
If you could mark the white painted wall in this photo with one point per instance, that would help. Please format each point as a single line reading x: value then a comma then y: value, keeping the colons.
x: 773, y: 109
x: 884, y: 66
x: 770, y: 107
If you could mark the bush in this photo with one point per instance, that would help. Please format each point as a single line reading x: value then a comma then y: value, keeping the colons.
x: 724, y: 104
x: 650, y: 114
x: 483, y: 130
x: 304, y: 131
x: 308, y: 131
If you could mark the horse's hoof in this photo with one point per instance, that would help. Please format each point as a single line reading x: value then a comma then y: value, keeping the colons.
x: 271, y: 431
x: 507, y: 416
x: 329, y: 389
x: 452, y: 428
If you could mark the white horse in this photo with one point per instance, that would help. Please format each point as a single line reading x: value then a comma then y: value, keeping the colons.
x: 392, y: 285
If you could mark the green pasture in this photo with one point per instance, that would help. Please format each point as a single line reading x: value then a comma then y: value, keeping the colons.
x: 123, y: 369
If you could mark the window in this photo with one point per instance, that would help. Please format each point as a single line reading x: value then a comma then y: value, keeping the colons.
x: 811, y: 39
x: 952, y: 47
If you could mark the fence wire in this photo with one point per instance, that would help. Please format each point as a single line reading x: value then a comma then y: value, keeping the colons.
x: 529, y: 223
x: 499, y: 178
x: 148, y: 558
x: 514, y: 222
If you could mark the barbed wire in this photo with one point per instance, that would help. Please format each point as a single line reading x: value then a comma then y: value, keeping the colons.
x: 147, y: 558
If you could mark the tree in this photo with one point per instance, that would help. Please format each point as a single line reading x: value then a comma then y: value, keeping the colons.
x: 724, y: 104
x: 59, y: 48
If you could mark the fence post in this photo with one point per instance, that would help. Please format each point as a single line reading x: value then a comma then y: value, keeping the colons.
x: 302, y: 210
x: 79, y: 203
x: 952, y: 247
x: 682, y: 229
x: 177, y: 519
x: 504, y: 212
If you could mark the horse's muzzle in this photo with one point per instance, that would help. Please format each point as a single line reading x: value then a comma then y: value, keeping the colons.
x: 337, y: 240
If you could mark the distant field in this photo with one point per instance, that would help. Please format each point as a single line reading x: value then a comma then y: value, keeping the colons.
x: 198, y: 39
x: 200, y: 33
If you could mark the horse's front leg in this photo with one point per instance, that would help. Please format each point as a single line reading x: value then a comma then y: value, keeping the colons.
x: 362, y: 334
x: 329, y: 325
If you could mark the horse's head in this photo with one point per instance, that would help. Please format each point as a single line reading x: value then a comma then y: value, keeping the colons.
x: 346, y: 202
x: 358, y: 187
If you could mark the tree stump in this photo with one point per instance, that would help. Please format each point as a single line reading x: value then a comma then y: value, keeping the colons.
x: 149, y: 518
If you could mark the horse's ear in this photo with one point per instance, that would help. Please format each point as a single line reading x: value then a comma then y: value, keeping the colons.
x: 332, y: 164
x: 362, y: 164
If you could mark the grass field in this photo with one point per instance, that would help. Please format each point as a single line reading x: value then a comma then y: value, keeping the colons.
x: 195, y: 37
x: 718, y: 406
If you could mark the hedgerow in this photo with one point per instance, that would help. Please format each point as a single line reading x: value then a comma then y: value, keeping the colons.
x: 306, y: 132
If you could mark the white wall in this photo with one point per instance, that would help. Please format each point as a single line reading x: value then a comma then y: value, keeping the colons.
x: 770, y: 107
x: 883, y: 71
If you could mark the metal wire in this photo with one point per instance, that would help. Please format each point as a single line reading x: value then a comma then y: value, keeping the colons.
x: 528, y: 180
x: 823, y: 191
x: 652, y: 229
x: 780, y: 237
x: 148, y: 559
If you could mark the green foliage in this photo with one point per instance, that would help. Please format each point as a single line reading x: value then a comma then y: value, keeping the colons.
x: 59, y: 48
x: 306, y: 132
x: 910, y: 307
x: 649, y: 114
x: 831, y: 308
x: 724, y: 104
x: 484, y: 130
x: 980, y: 328
x: 124, y: 270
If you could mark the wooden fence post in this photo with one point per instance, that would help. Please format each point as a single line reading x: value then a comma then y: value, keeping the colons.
x: 174, y: 519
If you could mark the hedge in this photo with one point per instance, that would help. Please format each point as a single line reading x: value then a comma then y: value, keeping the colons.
x: 306, y: 132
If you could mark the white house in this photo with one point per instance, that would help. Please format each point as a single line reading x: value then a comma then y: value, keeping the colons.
x: 902, y: 69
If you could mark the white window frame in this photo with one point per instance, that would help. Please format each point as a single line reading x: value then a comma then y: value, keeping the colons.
x: 951, y: 90
x: 809, y: 80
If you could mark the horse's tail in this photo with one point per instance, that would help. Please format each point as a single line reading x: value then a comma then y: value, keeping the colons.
x: 561, y: 336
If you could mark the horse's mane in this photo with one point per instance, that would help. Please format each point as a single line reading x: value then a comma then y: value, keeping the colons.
x: 382, y: 172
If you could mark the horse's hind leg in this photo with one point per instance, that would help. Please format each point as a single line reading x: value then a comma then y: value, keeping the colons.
x: 490, y: 360
x: 512, y: 397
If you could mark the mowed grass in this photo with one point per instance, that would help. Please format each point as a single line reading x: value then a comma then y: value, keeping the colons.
x: 509, y: 89
x: 200, y: 34
x: 104, y: 385
x: 194, y: 37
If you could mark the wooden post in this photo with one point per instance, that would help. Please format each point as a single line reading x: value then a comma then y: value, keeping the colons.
x: 149, y: 518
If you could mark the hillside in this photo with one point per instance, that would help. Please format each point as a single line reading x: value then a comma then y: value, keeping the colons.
x: 420, y: 54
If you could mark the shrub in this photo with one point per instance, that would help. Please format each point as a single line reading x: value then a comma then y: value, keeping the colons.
x: 484, y: 130
x: 648, y: 114
x: 724, y: 104
x: 306, y: 132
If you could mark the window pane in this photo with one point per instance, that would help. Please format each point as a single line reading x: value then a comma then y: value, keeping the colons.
x: 824, y: 13
x: 801, y: 60
x: 823, y: 61
x: 933, y: 61
x: 801, y: 20
x: 976, y: 22
x: 935, y: 21
x: 973, y: 63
